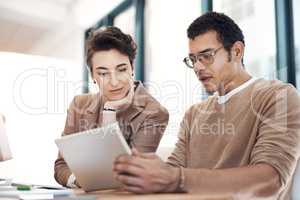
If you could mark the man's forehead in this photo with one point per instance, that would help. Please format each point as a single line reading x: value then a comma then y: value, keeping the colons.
x: 204, y: 41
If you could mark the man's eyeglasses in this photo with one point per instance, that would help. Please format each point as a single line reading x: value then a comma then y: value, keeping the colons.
x: 206, y: 58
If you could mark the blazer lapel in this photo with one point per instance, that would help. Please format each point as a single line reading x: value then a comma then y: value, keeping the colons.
x: 92, y: 117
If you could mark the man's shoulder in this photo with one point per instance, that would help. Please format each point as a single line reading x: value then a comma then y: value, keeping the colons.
x: 268, y: 94
x: 268, y: 88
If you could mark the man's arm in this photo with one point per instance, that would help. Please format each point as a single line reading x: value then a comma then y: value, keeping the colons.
x: 249, y: 182
x: 178, y: 157
x: 147, y: 173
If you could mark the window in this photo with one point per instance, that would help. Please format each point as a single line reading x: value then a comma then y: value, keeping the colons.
x: 296, y: 12
x: 125, y: 21
x: 166, y: 44
x: 257, y: 21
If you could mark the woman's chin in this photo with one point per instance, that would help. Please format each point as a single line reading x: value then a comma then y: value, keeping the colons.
x: 116, y: 97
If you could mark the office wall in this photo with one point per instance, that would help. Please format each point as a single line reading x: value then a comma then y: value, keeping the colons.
x: 166, y: 44
x: 35, y: 94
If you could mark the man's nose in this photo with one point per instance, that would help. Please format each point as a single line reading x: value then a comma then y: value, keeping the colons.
x: 198, y: 66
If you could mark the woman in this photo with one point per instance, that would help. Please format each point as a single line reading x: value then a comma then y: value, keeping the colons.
x: 110, y: 55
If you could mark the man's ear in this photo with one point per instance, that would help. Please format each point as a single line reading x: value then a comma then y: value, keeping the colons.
x: 237, y: 51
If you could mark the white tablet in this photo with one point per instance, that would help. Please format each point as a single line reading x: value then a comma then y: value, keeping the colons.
x: 90, y: 155
x: 5, y: 153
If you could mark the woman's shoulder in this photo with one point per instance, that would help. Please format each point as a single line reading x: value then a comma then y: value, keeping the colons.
x: 144, y: 99
x: 88, y: 101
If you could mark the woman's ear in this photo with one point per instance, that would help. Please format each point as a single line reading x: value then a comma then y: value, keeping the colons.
x: 94, y: 80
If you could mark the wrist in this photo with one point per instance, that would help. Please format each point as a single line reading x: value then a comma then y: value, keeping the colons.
x: 110, y: 106
x: 180, y: 186
x: 71, y: 183
x: 175, y: 180
x: 109, y: 116
x: 109, y: 109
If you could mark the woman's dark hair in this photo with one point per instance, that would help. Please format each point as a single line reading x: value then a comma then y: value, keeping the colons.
x: 228, y: 32
x: 108, y: 38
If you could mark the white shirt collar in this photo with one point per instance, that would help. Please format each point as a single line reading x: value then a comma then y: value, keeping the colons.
x: 226, y: 97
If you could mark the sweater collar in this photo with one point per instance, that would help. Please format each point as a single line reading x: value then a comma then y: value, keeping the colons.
x: 226, y: 97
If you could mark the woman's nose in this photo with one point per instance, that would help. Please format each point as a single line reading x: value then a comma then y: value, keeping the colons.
x: 114, y: 79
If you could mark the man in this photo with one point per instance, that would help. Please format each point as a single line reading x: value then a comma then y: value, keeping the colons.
x: 242, y: 142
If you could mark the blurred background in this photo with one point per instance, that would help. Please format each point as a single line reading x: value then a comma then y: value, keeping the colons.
x: 42, y: 62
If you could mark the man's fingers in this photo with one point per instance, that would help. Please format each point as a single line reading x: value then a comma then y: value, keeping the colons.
x: 128, y: 169
x: 135, y: 152
x: 134, y: 189
x: 132, y: 160
x: 130, y: 180
x: 123, y: 159
x: 148, y: 155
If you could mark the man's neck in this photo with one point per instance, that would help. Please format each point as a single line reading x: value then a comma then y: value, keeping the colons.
x: 241, y: 77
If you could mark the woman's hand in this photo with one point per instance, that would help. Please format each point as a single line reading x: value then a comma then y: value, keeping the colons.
x: 121, y: 104
x: 109, y: 116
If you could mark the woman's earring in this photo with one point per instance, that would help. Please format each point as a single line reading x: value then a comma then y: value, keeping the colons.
x: 94, y: 82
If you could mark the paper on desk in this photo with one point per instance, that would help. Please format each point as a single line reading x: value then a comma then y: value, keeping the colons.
x: 35, y: 193
x: 5, y: 153
x: 36, y: 196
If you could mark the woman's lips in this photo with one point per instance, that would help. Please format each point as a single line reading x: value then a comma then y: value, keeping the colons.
x: 116, y: 91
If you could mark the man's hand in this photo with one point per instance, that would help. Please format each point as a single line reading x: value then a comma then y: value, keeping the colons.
x: 121, y: 104
x: 145, y: 173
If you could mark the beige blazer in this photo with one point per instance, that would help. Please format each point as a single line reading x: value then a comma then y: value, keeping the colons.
x: 142, y: 123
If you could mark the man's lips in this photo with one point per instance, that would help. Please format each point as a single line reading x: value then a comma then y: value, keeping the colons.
x: 204, y: 78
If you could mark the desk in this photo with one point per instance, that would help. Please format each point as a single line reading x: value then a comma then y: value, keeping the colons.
x: 118, y: 194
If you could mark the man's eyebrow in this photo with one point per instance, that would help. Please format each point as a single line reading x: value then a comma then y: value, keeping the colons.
x: 203, y: 51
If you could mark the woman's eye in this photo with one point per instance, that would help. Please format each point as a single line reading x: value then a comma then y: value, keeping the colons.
x: 102, y: 73
x: 123, y: 69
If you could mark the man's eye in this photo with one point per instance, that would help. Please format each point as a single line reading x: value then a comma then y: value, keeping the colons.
x: 206, y: 56
x: 193, y: 59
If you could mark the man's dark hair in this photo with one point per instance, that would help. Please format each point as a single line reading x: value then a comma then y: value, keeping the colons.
x: 108, y: 38
x: 228, y: 32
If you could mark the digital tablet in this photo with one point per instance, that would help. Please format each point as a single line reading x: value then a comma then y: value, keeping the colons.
x: 90, y: 155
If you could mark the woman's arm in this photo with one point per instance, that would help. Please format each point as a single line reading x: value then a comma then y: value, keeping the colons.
x: 61, y: 169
